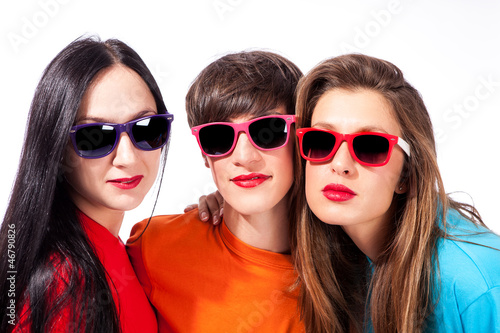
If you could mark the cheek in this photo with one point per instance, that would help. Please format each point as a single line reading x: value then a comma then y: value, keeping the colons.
x: 80, y: 172
x: 379, y: 185
x: 314, y: 178
x: 286, y: 160
x: 314, y: 173
x: 80, y: 178
x: 151, y: 163
x: 215, y: 166
x: 393, y: 173
x: 153, y: 160
x: 70, y: 162
x: 72, y: 167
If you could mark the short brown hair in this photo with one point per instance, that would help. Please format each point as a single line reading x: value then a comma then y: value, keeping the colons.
x: 249, y: 82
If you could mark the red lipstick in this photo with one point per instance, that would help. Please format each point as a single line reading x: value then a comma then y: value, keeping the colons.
x: 250, y: 180
x: 338, y: 192
x: 126, y: 183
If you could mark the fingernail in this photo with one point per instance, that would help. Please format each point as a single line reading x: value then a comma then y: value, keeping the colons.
x: 221, y: 211
x: 216, y: 218
x: 204, y: 216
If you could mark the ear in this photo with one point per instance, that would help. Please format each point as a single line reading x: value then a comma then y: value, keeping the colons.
x: 401, y: 188
x: 206, y: 160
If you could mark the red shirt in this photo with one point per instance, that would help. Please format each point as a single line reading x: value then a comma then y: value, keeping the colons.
x: 133, y: 308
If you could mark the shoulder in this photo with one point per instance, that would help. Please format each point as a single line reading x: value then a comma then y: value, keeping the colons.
x: 166, y: 241
x: 162, y: 226
x: 58, y: 271
x: 66, y: 277
x: 471, y: 245
x: 167, y: 233
x: 469, y: 261
x: 56, y: 280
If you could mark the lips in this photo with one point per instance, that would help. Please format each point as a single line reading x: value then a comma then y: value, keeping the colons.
x: 126, y: 183
x: 338, y: 192
x: 250, y: 180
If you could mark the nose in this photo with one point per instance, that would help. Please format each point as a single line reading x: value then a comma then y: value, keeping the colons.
x: 342, y: 162
x: 244, y: 152
x: 125, y: 152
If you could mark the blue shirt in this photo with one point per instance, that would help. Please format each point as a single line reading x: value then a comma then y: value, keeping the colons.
x: 468, y: 280
x: 468, y: 284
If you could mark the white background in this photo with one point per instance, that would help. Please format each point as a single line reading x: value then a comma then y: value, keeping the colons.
x: 448, y: 49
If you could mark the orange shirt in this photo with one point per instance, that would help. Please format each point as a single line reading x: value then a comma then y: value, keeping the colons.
x: 201, y: 278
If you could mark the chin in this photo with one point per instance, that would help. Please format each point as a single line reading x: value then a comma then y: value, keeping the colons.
x: 252, y: 207
x: 332, y: 216
x: 125, y: 205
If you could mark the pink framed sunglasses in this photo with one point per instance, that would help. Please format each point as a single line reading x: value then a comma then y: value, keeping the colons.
x: 265, y: 133
x: 367, y: 148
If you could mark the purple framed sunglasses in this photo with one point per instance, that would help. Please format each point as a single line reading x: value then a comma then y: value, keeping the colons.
x: 97, y: 140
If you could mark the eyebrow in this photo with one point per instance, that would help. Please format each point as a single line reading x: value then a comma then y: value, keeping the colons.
x: 366, y: 128
x: 138, y: 115
x: 271, y: 112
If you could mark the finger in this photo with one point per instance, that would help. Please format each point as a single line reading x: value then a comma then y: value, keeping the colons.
x: 190, y: 208
x: 220, y: 201
x: 219, y: 198
x: 213, y: 205
x: 203, y: 211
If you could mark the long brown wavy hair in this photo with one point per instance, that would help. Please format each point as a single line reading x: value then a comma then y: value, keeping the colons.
x: 340, y: 290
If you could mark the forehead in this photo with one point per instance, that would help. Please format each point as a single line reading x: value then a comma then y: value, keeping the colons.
x: 117, y: 93
x: 350, y: 111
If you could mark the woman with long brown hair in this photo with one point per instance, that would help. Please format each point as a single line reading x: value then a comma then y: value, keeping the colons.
x: 379, y: 245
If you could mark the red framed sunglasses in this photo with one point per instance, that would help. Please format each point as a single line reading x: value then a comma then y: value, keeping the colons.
x: 367, y: 148
x: 265, y: 133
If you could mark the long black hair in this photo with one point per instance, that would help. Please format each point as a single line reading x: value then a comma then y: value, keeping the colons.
x: 41, y: 226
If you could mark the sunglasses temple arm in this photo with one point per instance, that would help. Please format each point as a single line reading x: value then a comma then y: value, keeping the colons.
x: 404, y: 145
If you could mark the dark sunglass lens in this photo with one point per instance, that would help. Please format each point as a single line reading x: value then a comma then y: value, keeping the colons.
x: 150, y: 133
x: 371, y: 149
x: 268, y: 133
x: 95, y: 141
x: 317, y: 145
x: 216, y: 139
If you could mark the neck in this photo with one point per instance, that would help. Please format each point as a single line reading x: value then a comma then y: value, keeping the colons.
x: 267, y: 230
x: 371, y: 237
x: 109, y: 219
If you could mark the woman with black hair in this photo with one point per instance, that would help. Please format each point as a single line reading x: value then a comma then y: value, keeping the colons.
x: 92, y: 151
